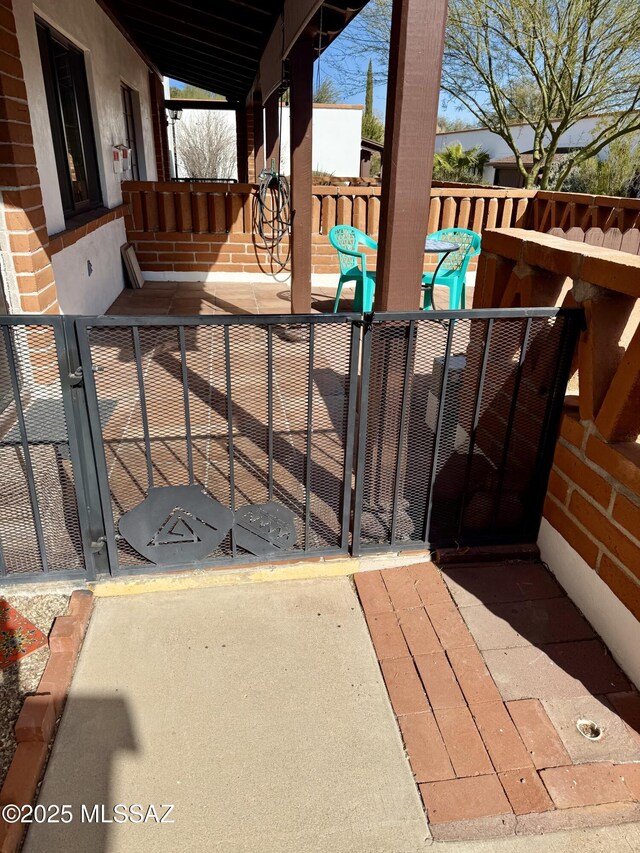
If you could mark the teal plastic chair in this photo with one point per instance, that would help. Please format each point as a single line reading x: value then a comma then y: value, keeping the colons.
x: 453, y: 271
x: 353, y: 265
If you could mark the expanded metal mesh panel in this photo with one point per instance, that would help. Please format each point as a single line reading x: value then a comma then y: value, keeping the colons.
x: 254, y: 414
x: 460, y: 427
x: 39, y: 526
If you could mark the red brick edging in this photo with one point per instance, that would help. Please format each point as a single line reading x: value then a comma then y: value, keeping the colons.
x: 484, y: 766
x: 36, y: 724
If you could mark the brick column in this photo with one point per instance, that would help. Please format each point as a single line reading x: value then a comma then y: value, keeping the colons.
x: 159, y: 120
x: 22, y: 221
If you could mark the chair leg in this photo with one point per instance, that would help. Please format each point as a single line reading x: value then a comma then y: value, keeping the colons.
x: 337, y: 302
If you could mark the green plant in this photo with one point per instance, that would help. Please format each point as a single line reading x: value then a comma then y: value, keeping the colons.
x: 327, y: 93
x: 618, y: 174
x: 372, y: 125
x: 455, y: 163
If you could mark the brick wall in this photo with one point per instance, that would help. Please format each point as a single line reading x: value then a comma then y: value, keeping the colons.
x: 593, y: 498
x: 159, y: 120
x: 22, y: 220
x: 594, y: 502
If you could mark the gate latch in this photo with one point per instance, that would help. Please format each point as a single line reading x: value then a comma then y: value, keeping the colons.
x: 76, y: 377
x: 98, y: 545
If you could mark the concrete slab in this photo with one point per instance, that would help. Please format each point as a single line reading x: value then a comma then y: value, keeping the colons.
x: 555, y: 671
x: 610, y: 839
x: 258, y: 711
x: 521, y: 623
x: 615, y: 744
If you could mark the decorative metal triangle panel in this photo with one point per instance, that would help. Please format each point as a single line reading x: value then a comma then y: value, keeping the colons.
x: 176, y: 525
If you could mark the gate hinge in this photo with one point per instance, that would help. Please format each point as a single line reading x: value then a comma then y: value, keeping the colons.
x: 98, y: 545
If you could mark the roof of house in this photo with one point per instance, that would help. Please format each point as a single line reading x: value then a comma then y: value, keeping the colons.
x: 526, y: 156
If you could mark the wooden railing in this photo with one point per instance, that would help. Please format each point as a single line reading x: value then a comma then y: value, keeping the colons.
x: 594, y: 490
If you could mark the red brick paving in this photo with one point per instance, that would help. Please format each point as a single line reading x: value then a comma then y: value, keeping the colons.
x: 535, y: 728
x: 486, y: 766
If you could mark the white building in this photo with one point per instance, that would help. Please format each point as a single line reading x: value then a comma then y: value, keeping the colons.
x: 502, y: 170
x: 337, y: 135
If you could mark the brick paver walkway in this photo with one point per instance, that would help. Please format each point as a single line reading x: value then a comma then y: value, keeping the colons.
x: 488, y: 669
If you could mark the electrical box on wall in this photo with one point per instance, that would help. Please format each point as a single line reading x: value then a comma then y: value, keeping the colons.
x: 121, y: 159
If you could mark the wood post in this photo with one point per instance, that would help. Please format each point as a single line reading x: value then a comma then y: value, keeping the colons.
x: 413, y: 88
x: 272, y: 129
x: 258, y: 136
x: 242, y: 144
x: 301, y: 173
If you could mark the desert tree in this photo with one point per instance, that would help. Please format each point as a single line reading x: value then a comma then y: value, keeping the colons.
x: 546, y: 64
x: 206, y: 143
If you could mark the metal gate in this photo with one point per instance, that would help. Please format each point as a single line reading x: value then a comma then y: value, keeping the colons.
x: 132, y: 445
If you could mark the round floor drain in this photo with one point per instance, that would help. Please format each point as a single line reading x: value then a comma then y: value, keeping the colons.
x: 589, y: 729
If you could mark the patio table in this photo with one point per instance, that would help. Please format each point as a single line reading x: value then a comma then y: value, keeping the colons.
x: 438, y: 247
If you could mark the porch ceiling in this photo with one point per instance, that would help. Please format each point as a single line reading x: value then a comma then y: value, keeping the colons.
x: 215, y: 46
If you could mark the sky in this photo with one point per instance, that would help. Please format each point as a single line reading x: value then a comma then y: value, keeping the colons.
x: 332, y: 64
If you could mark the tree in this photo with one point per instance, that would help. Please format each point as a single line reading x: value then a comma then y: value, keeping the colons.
x: 544, y: 63
x: 327, y: 93
x: 368, y: 97
x: 617, y: 174
x: 450, y: 125
x: 190, y: 92
x: 372, y: 125
x: 206, y: 144
x: 455, y: 163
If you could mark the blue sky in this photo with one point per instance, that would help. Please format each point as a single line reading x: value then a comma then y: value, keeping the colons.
x: 331, y: 65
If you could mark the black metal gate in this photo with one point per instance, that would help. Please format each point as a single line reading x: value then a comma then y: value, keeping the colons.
x: 140, y: 444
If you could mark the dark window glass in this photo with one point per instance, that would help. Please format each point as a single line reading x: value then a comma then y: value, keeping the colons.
x: 65, y: 81
x: 130, y: 131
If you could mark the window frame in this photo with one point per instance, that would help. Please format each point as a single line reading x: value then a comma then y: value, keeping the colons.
x: 47, y: 35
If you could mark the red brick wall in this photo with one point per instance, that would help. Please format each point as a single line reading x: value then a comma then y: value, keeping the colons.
x: 28, y: 262
x: 159, y: 120
x: 594, y: 502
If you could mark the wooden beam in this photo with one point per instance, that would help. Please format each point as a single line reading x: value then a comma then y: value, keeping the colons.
x: 198, y: 104
x: 242, y: 144
x: 413, y: 89
x: 301, y: 114
x: 272, y: 129
x: 258, y: 136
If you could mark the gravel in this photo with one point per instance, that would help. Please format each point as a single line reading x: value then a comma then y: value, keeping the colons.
x: 22, y: 678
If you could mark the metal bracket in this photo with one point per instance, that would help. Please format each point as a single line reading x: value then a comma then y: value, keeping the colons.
x: 76, y: 377
x: 96, y: 547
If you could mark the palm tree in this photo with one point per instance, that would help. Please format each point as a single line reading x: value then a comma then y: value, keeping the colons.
x: 455, y: 163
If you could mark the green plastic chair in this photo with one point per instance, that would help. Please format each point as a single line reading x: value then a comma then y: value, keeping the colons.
x: 453, y: 271
x: 353, y: 265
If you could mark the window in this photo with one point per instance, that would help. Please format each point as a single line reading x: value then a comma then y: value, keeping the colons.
x: 130, y: 131
x: 65, y: 81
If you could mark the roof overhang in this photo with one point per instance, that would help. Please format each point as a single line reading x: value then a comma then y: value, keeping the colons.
x: 229, y: 47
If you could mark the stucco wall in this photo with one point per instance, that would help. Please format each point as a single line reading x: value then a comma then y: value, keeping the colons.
x: 110, y: 60
x: 576, y: 137
x: 337, y: 134
x: 84, y: 292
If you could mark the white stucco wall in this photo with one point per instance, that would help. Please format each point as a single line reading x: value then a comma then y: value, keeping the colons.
x: 576, y: 137
x: 617, y: 626
x: 110, y: 60
x: 80, y: 292
x: 337, y: 135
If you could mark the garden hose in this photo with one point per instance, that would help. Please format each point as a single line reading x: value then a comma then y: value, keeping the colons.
x: 272, y: 215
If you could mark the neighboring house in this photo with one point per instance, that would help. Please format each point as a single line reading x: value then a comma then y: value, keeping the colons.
x: 77, y: 93
x: 337, y: 132
x: 501, y: 169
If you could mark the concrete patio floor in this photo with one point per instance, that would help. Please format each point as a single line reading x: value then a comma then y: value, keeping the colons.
x: 260, y: 713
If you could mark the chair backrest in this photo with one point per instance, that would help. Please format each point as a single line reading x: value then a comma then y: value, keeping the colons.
x: 468, y: 241
x: 347, y: 239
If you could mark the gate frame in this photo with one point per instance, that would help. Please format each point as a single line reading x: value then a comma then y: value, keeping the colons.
x: 575, y: 324
x: 354, y: 320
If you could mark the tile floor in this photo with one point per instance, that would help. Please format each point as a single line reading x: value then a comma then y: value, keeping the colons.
x: 489, y: 668
x: 198, y: 298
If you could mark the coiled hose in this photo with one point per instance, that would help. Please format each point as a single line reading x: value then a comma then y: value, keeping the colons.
x: 272, y: 215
